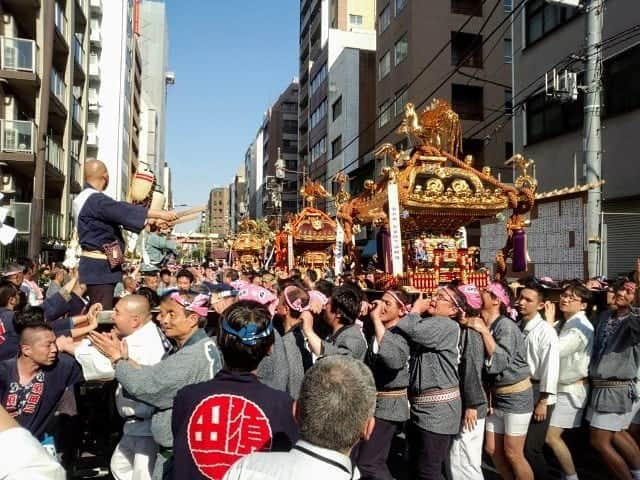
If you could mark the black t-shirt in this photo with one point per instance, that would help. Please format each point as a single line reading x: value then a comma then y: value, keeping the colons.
x: 32, y: 405
x: 215, y: 423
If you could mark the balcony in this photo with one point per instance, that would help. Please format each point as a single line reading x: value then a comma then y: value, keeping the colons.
x: 18, y: 54
x: 92, y: 137
x: 55, y: 155
x: 52, y: 225
x: 94, y: 67
x: 93, y: 101
x: 17, y: 136
x: 95, y: 6
x: 95, y: 37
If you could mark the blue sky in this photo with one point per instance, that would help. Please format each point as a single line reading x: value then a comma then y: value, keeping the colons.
x: 232, y: 59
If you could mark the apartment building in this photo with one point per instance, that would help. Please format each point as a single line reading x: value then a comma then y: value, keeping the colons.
x: 410, y: 35
x: 43, y: 92
x: 115, y: 80
x: 156, y: 79
x: 218, y: 208
x: 237, y: 205
x: 253, y: 168
x: 551, y: 132
x: 280, y: 142
x: 327, y: 27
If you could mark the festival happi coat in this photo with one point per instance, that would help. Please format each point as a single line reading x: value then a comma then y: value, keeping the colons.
x: 306, y: 239
x: 437, y: 195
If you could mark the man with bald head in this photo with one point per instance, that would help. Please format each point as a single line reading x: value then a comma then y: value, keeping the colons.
x: 135, y: 455
x: 99, y: 220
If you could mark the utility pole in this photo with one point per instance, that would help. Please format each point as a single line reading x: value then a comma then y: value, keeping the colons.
x: 592, y: 145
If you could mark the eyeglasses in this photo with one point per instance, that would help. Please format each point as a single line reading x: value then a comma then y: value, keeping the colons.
x: 570, y: 297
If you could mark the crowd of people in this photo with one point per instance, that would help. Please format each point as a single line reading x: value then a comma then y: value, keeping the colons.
x: 226, y: 372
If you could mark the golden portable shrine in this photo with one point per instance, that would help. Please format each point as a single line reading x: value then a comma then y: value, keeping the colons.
x: 249, y: 243
x: 425, y: 197
x: 307, y: 238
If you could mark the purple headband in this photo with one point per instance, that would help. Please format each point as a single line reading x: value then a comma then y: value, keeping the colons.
x: 199, y: 304
x: 296, y: 305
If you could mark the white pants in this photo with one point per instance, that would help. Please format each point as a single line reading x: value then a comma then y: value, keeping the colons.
x: 133, y: 458
x: 465, y: 455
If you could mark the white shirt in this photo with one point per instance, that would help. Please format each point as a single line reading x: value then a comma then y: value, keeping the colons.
x: 543, y: 357
x: 315, y: 464
x: 576, y: 345
x: 145, y: 348
x: 24, y: 458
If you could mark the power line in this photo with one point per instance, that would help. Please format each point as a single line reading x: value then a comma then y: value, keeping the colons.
x: 608, y: 43
x: 420, y: 73
x: 469, y: 54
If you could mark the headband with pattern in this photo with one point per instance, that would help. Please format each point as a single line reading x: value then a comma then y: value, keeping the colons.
x: 199, y: 304
x: 248, y: 334
x: 296, y: 305
x: 404, y: 307
x: 501, y: 294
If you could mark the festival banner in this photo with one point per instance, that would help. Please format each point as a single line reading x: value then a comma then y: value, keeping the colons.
x: 394, y: 228
x: 290, y: 251
x: 337, y: 254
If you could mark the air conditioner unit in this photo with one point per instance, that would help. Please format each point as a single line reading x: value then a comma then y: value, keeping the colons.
x: 21, y: 213
x: 8, y: 184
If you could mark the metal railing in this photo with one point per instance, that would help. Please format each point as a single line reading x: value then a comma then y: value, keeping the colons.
x: 52, y: 224
x: 17, y: 136
x: 55, y: 155
x: 58, y: 87
x: 18, y: 54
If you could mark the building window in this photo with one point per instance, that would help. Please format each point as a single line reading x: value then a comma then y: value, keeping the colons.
x: 336, y: 108
x: 466, y: 49
x: 467, y: 7
x: 384, y: 114
x: 508, y: 5
x: 543, y: 17
x: 384, y: 65
x: 508, y: 150
x: 289, y: 107
x: 384, y: 19
x: 402, y: 97
x: 401, y: 49
x: 317, y: 79
x: 289, y: 146
x: 508, y: 101
x: 336, y: 146
x: 400, y: 4
x: 507, y: 51
x: 319, y: 149
x: 475, y: 148
x: 319, y: 113
x: 355, y: 19
x: 290, y: 126
x: 548, y: 118
x: 468, y: 101
x: 622, y: 82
